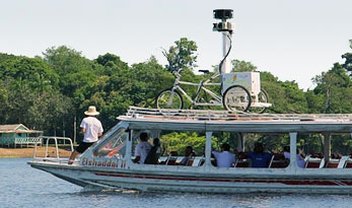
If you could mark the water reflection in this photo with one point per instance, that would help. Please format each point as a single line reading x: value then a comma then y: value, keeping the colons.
x: 22, y: 186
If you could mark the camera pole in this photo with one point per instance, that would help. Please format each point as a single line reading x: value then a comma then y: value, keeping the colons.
x: 226, y: 43
x: 225, y: 28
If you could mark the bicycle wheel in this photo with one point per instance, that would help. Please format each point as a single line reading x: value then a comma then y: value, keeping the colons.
x: 168, y: 99
x: 236, y: 98
x: 262, y: 98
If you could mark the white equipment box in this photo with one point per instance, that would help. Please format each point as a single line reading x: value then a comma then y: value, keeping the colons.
x: 249, y: 80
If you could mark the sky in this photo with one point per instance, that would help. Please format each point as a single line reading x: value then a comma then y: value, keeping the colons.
x: 295, y: 40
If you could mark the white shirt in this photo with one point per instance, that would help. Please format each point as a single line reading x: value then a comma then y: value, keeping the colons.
x: 224, y: 159
x: 299, y: 159
x: 142, y: 149
x: 92, y: 127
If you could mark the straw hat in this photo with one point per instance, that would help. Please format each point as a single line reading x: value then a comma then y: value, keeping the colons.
x: 92, y: 111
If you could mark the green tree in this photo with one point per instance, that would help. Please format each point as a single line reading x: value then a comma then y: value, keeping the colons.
x: 122, y: 86
x: 242, y: 66
x: 33, y: 71
x: 178, y: 141
x: 286, y: 97
x: 111, y: 63
x: 182, y: 55
x: 4, y: 94
x: 79, y: 77
x: 25, y: 81
x: 348, y: 62
x: 334, y: 88
x: 147, y: 80
x: 51, y: 112
x: 77, y: 74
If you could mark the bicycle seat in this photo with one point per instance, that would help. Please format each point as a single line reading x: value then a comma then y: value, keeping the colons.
x: 204, y: 71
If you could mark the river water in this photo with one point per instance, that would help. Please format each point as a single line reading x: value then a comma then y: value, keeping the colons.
x: 23, y: 186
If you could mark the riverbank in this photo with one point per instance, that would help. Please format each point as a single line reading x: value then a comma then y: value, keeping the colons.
x: 28, y: 152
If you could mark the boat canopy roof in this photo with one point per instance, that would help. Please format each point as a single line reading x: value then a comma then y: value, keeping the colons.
x: 206, y: 120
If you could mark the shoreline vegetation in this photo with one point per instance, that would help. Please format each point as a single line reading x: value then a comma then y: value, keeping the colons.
x: 50, y: 92
x: 28, y: 152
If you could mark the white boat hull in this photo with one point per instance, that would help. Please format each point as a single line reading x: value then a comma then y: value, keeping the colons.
x: 158, y: 181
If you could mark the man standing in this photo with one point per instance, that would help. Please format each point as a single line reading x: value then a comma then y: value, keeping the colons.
x: 92, y: 129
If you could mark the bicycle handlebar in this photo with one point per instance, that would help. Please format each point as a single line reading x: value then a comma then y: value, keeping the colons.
x: 204, y: 71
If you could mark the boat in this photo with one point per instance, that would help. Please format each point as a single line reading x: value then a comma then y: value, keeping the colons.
x: 108, y: 164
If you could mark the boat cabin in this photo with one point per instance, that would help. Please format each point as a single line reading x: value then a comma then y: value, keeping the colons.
x: 311, y: 140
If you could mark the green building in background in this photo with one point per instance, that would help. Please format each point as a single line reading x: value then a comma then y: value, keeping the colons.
x: 15, y: 135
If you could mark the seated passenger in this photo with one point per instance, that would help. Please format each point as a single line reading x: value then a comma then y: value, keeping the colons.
x: 142, y: 148
x: 242, y: 160
x: 259, y: 158
x: 336, y: 155
x: 225, y: 158
x: 189, y: 153
x: 154, y: 153
x: 299, y: 156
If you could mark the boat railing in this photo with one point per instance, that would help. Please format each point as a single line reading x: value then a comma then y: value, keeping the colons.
x: 175, y: 160
x: 312, y: 162
x: 27, y: 141
x: 55, y: 142
x: 139, y: 112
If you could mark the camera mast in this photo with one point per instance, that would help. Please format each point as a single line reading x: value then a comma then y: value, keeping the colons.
x: 225, y: 28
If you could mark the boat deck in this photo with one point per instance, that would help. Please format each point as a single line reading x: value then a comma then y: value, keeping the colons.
x: 175, y: 114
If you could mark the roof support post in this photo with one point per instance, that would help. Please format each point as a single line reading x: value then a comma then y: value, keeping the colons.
x: 327, y: 147
x: 293, y: 150
x: 243, y: 142
x: 208, y: 149
x: 129, y: 148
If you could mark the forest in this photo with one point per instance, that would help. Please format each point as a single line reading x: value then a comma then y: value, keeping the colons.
x: 51, y: 91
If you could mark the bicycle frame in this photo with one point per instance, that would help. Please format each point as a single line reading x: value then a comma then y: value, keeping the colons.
x: 201, y: 86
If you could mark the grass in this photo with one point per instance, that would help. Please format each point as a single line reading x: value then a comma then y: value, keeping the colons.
x: 28, y: 152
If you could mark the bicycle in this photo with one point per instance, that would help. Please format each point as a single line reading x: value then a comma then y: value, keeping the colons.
x: 235, y: 97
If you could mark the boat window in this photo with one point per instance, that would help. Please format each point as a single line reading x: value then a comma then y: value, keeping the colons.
x: 114, y: 146
x: 256, y: 150
x: 325, y: 150
x: 341, y: 145
x: 176, y: 148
